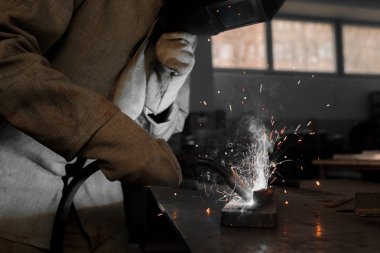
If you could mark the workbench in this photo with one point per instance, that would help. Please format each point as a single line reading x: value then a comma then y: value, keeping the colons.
x: 346, y: 164
x: 311, y: 218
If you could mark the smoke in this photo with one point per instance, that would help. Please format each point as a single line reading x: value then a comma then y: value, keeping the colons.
x: 254, y: 168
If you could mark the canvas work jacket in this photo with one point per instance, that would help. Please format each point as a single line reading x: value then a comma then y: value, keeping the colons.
x: 66, y: 68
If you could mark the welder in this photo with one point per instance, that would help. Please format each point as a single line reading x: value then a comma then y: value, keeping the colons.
x: 104, y: 80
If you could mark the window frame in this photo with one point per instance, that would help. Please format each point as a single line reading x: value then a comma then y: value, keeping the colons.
x: 339, y: 54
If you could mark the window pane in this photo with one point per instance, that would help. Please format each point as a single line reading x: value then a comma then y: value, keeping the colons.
x: 240, y: 48
x: 303, y: 46
x: 361, y: 49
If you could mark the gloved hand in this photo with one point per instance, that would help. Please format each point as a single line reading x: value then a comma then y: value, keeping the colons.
x: 126, y: 152
x: 176, y: 51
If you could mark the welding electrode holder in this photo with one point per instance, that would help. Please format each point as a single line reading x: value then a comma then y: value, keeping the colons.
x: 229, y: 176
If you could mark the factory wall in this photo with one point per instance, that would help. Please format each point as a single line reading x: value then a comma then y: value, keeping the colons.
x: 336, y: 103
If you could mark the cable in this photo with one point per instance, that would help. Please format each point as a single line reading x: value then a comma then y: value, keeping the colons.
x: 58, y: 231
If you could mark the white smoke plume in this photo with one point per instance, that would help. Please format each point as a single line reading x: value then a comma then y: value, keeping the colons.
x: 254, y: 168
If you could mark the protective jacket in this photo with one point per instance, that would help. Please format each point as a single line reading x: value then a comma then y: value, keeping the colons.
x: 62, y: 63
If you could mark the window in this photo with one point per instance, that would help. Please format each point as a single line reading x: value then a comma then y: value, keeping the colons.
x: 300, y: 46
x: 361, y: 49
x: 243, y: 48
x: 303, y: 46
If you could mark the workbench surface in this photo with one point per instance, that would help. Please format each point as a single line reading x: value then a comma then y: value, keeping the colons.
x: 316, y: 219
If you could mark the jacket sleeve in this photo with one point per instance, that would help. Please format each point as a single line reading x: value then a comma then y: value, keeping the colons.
x: 35, y: 98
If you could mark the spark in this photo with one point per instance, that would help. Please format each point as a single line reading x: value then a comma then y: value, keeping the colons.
x: 208, y: 39
x: 196, y: 145
x: 328, y: 105
x: 208, y: 211
x: 285, y: 192
x: 297, y: 128
x: 308, y: 124
x: 160, y: 214
x: 174, y: 215
x: 230, y: 108
x: 261, y: 88
x: 205, y: 103
x: 245, y: 98
x: 175, y: 194
x: 317, y: 183
x: 299, y: 82
x: 318, y: 230
x: 218, y: 91
x: 273, y: 180
x: 286, y: 202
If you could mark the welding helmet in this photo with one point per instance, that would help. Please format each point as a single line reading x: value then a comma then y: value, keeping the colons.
x: 210, y: 17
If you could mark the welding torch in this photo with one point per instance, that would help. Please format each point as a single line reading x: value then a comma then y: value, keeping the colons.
x: 230, y: 177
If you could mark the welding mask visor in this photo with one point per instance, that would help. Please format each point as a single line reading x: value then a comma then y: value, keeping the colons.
x: 210, y: 17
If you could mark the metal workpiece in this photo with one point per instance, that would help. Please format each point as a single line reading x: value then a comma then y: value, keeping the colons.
x: 261, y: 213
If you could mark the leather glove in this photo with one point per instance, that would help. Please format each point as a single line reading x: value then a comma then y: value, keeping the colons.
x: 176, y: 51
x: 126, y: 152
